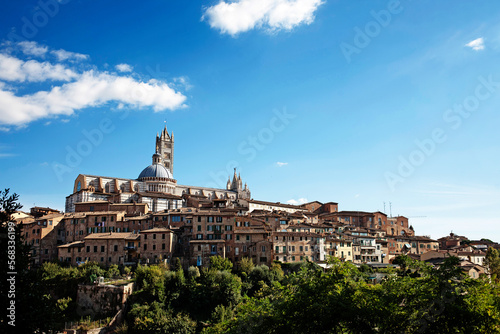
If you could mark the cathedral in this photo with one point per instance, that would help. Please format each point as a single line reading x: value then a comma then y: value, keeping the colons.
x: 154, y: 186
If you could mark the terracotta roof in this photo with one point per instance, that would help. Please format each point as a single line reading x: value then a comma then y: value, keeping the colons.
x: 156, y: 230
x: 111, y: 235
x: 72, y: 244
x: 276, y: 204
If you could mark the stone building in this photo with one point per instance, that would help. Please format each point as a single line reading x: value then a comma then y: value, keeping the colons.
x: 41, y: 234
x: 104, y: 248
x: 157, y: 244
x: 298, y: 246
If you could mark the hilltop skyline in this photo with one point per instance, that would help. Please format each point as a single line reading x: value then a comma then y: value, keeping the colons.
x: 356, y: 103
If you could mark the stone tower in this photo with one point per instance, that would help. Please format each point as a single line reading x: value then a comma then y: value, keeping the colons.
x: 165, y: 148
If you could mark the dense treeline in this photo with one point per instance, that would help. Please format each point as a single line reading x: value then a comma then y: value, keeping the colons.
x: 415, y: 299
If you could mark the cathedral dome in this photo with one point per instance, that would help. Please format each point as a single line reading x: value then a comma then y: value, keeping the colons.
x: 155, y: 171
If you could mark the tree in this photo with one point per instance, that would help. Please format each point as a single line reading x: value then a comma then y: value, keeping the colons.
x: 492, y: 262
x: 21, y: 289
x: 246, y: 265
x: 113, y: 271
x: 155, y: 318
x: 220, y: 263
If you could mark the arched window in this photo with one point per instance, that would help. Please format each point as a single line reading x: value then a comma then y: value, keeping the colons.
x: 79, y: 186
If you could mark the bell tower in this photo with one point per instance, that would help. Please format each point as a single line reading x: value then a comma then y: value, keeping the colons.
x: 165, y: 148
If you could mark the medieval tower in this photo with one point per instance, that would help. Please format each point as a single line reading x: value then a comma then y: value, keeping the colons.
x: 165, y: 148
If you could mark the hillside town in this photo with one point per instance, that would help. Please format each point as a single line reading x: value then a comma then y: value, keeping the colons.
x: 152, y: 219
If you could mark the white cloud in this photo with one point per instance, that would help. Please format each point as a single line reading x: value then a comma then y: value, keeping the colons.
x: 124, y: 67
x: 79, y: 90
x: 281, y: 164
x: 63, y: 55
x: 242, y: 15
x: 33, y: 48
x: 297, y: 202
x: 477, y: 44
x: 183, y: 82
x: 15, y: 69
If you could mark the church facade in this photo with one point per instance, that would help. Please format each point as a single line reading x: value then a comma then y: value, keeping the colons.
x: 154, y: 186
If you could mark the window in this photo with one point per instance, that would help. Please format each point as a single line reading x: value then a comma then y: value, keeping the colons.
x: 116, y: 248
x: 301, y: 248
x: 284, y: 249
x: 154, y: 236
x: 198, y: 228
x: 95, y: 249
x: 237, y: 237
x: 219, y: 219
x: 199, y: 236
x: 246, y: 224
x: 307, y: 248
x: 145, y: 247
x: 277, y: 249
x: 102, y: 248
x: 248, y: 238
x: 163, y: 236
x: 244, y: 248
x: 210, y: 219
x: 88, y: 249
x: 154, y: 247
x: 145, y: 237
x: 228, y: 228
x: 199, y: 219
x: 162, y: 246
x: 263, y: 248
x: 176, y: 219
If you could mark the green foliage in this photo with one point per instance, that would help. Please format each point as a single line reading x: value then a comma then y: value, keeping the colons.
x: 492, y: 262
x: 126, y: 270
x: 364, y: 268
x: 439, y: 300
x: 220, y: 263
x: 193, y: 272
x: 155, y: 318
x: 246, y: 265
x: 151, y: 280
x: 113, y: 271
x: 90, y: 271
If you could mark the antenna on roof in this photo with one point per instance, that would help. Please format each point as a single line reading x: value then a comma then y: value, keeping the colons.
x: 384, y: 207
x: 390, y: 208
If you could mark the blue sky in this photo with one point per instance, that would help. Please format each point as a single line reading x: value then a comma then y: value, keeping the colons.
x: 356, y: 102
